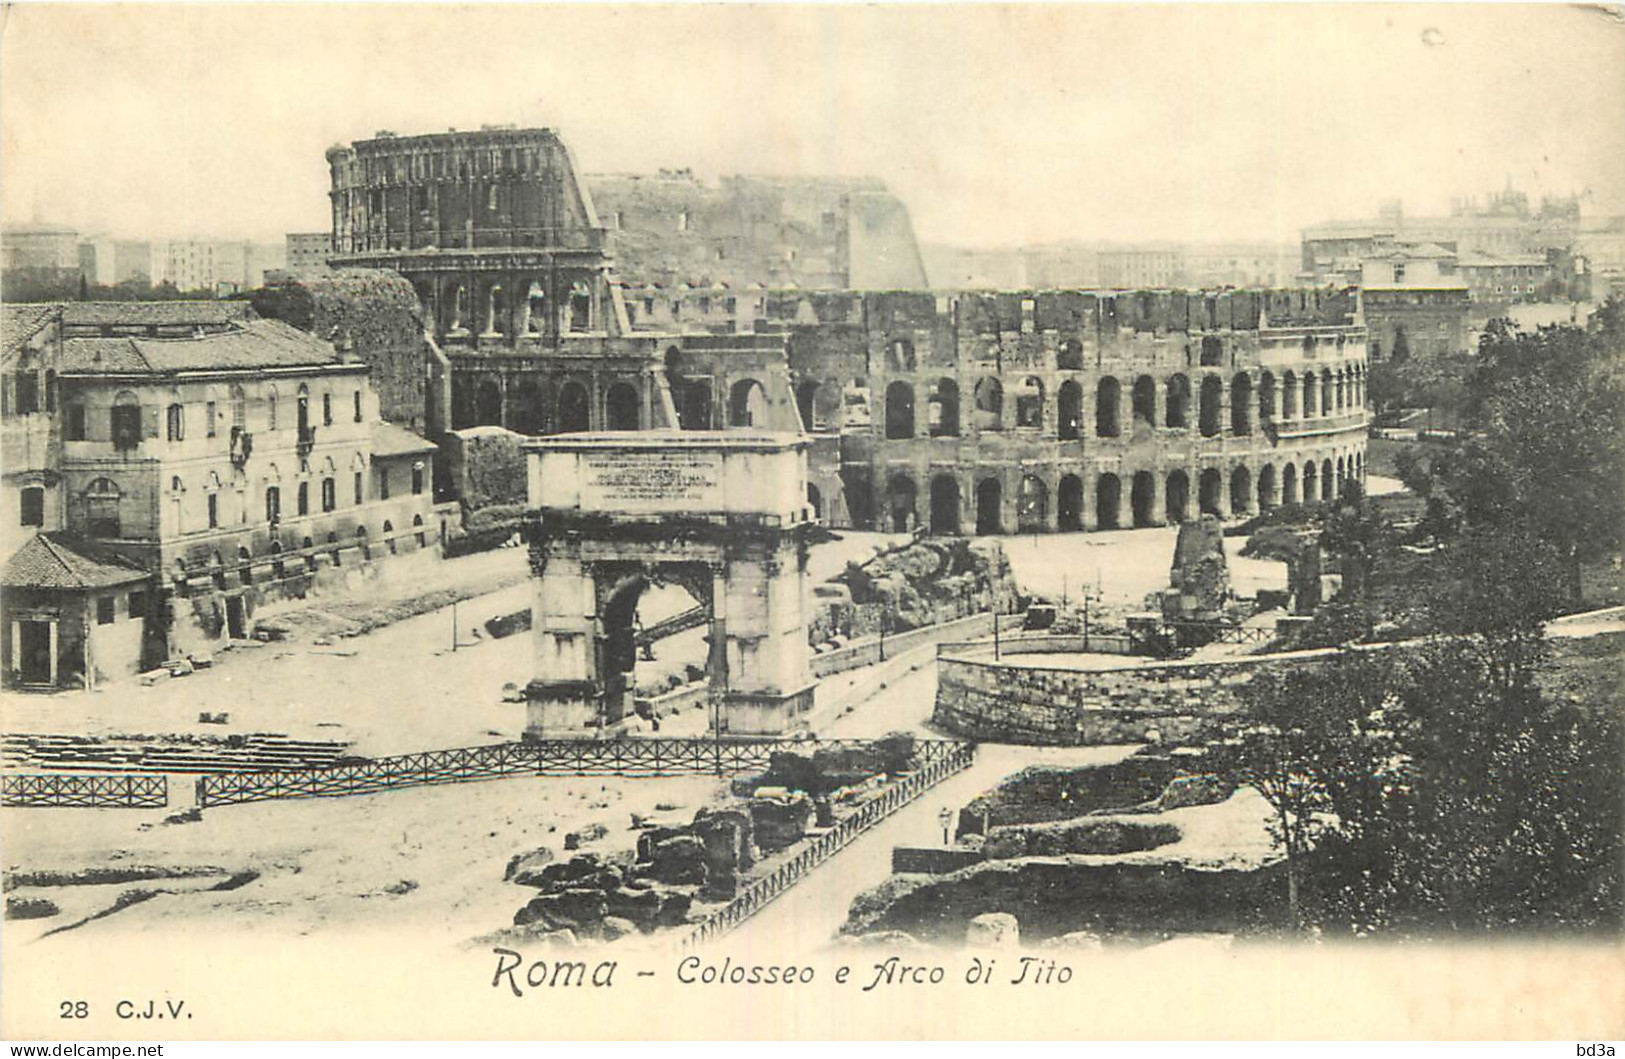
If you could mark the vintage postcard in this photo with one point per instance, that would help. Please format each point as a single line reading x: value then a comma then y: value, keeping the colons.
x: 894, y: 522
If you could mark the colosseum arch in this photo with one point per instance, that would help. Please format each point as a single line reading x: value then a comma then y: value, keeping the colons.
x: 1177, y: 497
x: 901, y: 498
x: 989, y: 500
x: 1178, y: 403
x: 899, y: 410
x: 747, y: 404
x: 1069, y: 503
x: 1311, y: 475
x: 945, y: 505
x: 1108, y: 501
x: 1210, y: 399
x: 1210, y: 490
x: 989, y: 404
x: 1032, y: 505
x: 621, y: 406
x: 1144, y: 400
x: 900, y: 356
x: 1241, y: 404
x: 1108, y: 398
x: 1030, y: 403
x: 1241, y: 491
x: 1070, y: 356
x: 1142, y: 499
x: 1212, y: 351
x: 1310, y: 405
x: 1325, y: 391
x: 1289, y: 395
x: 574, y: 408
x: 943, y: 413
x: 1289, y: 483
x: 1328, y: 484
x: 1069, y: 409
x: 1266, y: 487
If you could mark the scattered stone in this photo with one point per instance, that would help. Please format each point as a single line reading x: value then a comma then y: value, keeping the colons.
x: 185, y: 816
x: 616, y: 928
x: 30, y: 908
x: 398, y: 889
x: 526, y: 868
x: 993, y: 930
x: 1077, y: 941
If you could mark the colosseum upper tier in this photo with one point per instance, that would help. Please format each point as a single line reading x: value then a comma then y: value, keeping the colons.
x: 955, y: 412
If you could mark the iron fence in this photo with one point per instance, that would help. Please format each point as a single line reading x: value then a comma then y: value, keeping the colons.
x: 84, y: 792
x: 557, y: 757
x: 954, y: 757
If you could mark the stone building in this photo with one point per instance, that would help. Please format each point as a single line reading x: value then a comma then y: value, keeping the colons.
x: 1041, y: 411
x: 1414, y: 301
x: 197, y: 463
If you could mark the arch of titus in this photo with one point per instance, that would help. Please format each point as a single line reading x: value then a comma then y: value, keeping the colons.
x: 721, y: 513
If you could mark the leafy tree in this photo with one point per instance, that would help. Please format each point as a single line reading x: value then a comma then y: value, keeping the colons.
x: 1545, y: 456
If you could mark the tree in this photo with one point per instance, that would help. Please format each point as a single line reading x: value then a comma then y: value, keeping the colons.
x: 1545, y: 452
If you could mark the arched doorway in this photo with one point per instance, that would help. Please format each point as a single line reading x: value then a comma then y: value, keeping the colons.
x: 1177, y: 413
x: 989, y: 497
x: 1310, y: 481
x: 1032, y: 505
x: 899, y: 411
x: 574, y: 415
x: 747, y: 404
x: 1241, y: 404
x: 1142, y: 498
x: 1241, y: 491
x: 1266, y: 487
x: 621, y: 407
x: 945, y: 505
x: 944, y: 410
x: 1210, y: 487
x: 1108, y: 500
x: 1107, y: 398
x: 1178, y: 500
x: 1069, y: 503
x: 815, y: 500
x: 1069, y: 406
x: 900, y: 497
x: 1328, y: 484
x: 1145, y: 401
x: 860, y: 498
x: 1289, y: 484
x: 1207, y: 412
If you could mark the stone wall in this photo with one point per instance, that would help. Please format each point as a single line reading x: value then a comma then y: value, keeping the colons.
x: 1181, y: 701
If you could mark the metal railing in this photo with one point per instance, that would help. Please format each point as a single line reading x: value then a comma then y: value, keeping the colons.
x: 19, y: 790
x: 557, y: 757
x: 892, y: 798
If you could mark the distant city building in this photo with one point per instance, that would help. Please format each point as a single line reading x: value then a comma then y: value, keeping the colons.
x: 39, y: 246
x: 1058, y: 266
x: 1134, y: 267
x: 1414, y: 302
x: 307, y: 250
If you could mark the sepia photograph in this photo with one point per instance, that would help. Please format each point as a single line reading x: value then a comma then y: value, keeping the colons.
x: 812, y: 521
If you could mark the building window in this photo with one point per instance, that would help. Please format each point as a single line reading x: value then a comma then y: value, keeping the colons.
x: 273, y: 503
x: 214, y: 510
x: 73, y: 428
x: 104, y: 610
x: 417, y: 524
x: 208, y: 419
x: 239, y: 410
x: 417, y: 477
x: 358, y: 406
x: 102, y: 508
x: 1399, y: 273
x: 360, y: 488
x: 383, y: 483
x: 27, y: 392
x: 126, y: 421
x: 176, y: 419
x: 33, y: 505
x: 327, y: 409
x: 270, y: 411
x: 303, y: 498
x: 138, y: 604
x: 329, y: 494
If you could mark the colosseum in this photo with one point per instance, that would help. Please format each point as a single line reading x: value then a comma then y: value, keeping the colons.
x: 953, y: 412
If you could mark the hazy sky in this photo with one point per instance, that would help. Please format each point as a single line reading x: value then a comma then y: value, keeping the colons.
x: 995, y: 125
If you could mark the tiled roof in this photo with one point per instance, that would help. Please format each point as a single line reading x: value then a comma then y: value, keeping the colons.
x: 391, y: 440
x: 51, y: 562
x: 249, y: 344
x: 19, y: 323
x: 176, y: 313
